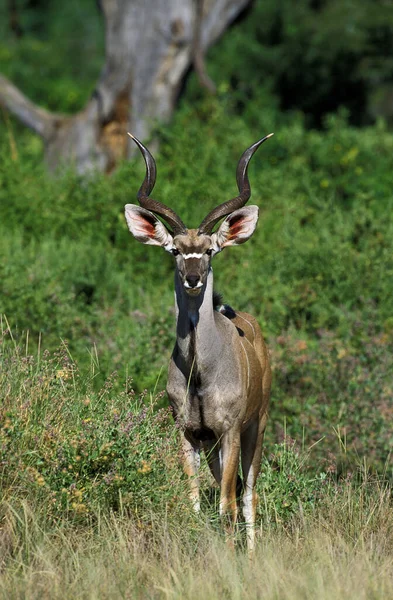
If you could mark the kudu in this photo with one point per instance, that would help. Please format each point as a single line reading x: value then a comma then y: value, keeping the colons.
x: 219, y: 374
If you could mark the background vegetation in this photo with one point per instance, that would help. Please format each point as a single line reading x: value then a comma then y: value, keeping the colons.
x: 91, y: 482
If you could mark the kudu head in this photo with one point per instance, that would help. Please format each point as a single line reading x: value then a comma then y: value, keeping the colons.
x: 193, y: 249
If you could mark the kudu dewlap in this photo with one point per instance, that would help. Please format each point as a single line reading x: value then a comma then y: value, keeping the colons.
x: 219, y: 374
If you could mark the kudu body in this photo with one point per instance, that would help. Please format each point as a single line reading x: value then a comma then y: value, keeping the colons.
x: 219, y: 375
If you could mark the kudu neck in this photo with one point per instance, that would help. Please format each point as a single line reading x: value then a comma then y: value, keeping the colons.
x: 194, y: 312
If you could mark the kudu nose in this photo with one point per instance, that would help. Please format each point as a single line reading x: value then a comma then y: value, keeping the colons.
x: 192, y: 280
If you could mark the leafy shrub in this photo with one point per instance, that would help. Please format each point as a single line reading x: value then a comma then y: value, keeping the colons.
x: 287, y: 486
x: 79, y: 453
x: 311, y: 56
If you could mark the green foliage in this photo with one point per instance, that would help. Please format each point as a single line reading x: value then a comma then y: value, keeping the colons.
x: 77, y: 452
x: 339, y: 390
x: 313, y: 56
x: 287, y: 486
x: 44, y: 60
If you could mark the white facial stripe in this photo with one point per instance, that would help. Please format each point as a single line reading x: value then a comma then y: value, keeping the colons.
x: 192, y: 255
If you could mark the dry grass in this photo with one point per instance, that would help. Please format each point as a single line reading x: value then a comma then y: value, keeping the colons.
x: 342, y: 550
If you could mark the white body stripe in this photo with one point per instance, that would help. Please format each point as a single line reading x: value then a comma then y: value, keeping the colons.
x: 192, y: 255
x: 248, y: 364
x: 247, y: 321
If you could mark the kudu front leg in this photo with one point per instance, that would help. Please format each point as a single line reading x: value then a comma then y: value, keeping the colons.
x: 191, y: 462
x: 230, y: 448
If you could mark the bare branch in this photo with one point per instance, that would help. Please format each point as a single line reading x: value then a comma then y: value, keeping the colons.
x: 38, y: 119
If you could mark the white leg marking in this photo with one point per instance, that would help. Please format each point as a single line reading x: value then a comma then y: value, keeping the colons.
x: 248, y: 509
x: 247, y: 497
x: 195, y: 491
x: 196, y: 505
x: 191, y: 466
x: 197, y: 458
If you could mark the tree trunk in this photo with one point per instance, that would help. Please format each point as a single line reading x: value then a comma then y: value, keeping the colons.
x: 150, y: 44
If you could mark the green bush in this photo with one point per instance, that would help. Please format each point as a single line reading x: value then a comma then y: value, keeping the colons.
x: 77, y: 452
x: 313, y: 56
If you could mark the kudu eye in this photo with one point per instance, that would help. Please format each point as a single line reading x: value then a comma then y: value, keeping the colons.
x: 209, y: 251
x: 175, y: 252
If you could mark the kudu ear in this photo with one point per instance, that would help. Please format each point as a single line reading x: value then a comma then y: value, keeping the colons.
x: 237, y: 228
x: 146, y: 228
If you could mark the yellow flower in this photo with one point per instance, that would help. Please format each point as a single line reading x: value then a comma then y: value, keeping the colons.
x: 63, y: 374
x: 79, y: 507
x: 78, y: 494
x: 145, y: 468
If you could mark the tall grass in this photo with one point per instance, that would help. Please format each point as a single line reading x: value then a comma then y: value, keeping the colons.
x: 343, y: 550
x: 94, y: 503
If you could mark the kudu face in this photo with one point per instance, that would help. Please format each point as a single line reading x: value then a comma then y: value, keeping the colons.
x: 192, y: 253
x: 193, y: 249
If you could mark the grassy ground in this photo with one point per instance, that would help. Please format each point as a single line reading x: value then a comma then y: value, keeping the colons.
x: 341, y: 551
x: 94, y: 503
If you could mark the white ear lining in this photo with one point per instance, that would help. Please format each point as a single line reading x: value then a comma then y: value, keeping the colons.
x: 163, y: 236
x: 146, y: 228
x: 233, y: 234
x: 215, y: 246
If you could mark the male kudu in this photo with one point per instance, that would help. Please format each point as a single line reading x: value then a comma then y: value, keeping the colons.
x: 219, y: 374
